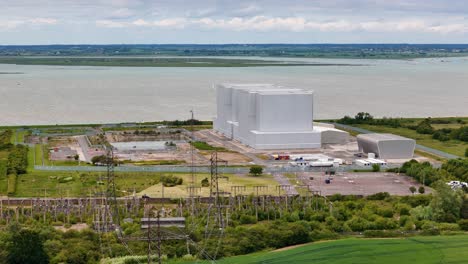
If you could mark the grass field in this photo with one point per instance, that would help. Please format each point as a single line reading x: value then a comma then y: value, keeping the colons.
x: 58, y: 183
x: 455, y: 147
x: 224, y: 185
x: 414, y: 250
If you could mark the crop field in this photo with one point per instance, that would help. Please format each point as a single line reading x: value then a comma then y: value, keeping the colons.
x: 414, y: 250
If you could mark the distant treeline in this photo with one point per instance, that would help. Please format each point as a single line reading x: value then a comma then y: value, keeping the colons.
x: 423, y: 127
x: 277, y: 50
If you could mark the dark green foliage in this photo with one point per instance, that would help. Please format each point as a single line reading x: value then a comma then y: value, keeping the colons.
x: 366, y: 118
x: 378, y: 196
x: 205, y: 182
x: 5, y: 137
x: 375, y: 167
x: 171, y: 181
x: 446, y: 203
x: 421, y: 190
x: 424, y: 127
x: 422, y: 172
x: 187, y: 122
x: 466, y: 152
x: 18, y: 160
x: 457, y: 168
x: 463, y: 224
x: 412, y: 189
x: 26, y: 246
x: 256, y: 170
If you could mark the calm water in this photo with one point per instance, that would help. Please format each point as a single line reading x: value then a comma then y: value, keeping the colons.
x: 58, y: 94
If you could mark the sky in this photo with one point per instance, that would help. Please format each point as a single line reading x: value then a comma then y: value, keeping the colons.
x: 29, y: 22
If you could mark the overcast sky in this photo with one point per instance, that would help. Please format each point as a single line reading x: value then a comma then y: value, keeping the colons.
x: 232, y: 21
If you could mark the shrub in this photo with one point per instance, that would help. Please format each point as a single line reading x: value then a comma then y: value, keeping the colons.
x: 463, y: 224
x: 256, y: 170
x: 375, y: 167
x: 247, y: 219
x: 205, y: 182
x: 421, y: 190
x: 171, y: 181
x: 378, y: 196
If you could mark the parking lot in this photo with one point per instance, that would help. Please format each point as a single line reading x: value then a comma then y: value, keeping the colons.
x: 365, y: 183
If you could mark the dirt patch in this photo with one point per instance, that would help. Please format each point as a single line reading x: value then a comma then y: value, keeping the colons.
x: 76, y: 227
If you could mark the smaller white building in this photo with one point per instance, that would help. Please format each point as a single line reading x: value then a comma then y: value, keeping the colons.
x: 386, y: 146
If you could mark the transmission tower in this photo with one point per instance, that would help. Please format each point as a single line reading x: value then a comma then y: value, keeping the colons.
x: 192, y: 157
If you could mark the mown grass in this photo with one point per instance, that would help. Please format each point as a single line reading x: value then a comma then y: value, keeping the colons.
x: 413, y: 250
x: 201, y: 145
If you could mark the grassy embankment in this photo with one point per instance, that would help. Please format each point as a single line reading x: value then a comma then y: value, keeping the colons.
x: 413, y: 250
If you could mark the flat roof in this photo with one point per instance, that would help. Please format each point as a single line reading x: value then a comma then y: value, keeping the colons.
x: 382, y: 137
x: 267, y: 89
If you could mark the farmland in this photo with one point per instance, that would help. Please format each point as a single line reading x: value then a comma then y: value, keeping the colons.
x: 414, y: 250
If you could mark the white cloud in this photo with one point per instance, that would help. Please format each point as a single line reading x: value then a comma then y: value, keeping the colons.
x: 171, y: 23
x: 44, y: 21
x: 294, y: 24
x: 15, y: 23
x: 121, y: 13
x: 10, y: 24
x: 110, y: 24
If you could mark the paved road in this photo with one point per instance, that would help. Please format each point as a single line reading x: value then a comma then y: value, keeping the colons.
x: 198, y: 169
x: 282, y: 180
x: 419, y: 147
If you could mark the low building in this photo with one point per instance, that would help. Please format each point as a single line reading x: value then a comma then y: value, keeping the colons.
x: 386, y: 146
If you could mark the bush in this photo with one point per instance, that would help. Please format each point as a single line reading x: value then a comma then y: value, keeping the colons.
x: 463, y: 224
x: 421, y: 190
x: 375, y: 167
x: 424, y: 127
x: 247, y: 219
x: 448, y: 227
x: 379, y: 196
x: 171, y: 181
x: 205, y: 182
x: 381, y: 233
x: 256, y: 170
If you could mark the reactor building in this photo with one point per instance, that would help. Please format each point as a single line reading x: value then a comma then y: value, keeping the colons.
x: 266, y: 116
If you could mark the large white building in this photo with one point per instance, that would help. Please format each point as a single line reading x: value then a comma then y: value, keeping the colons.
x: 266, y: 116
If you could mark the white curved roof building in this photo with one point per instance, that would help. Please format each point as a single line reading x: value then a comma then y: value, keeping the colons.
x: 386, y: 146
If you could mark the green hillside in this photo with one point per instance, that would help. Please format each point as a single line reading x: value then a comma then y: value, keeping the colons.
x: 414, y: 250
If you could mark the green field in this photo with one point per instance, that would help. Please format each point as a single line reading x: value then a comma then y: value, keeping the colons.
x: 414, y: 250
x: 52, y: 184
